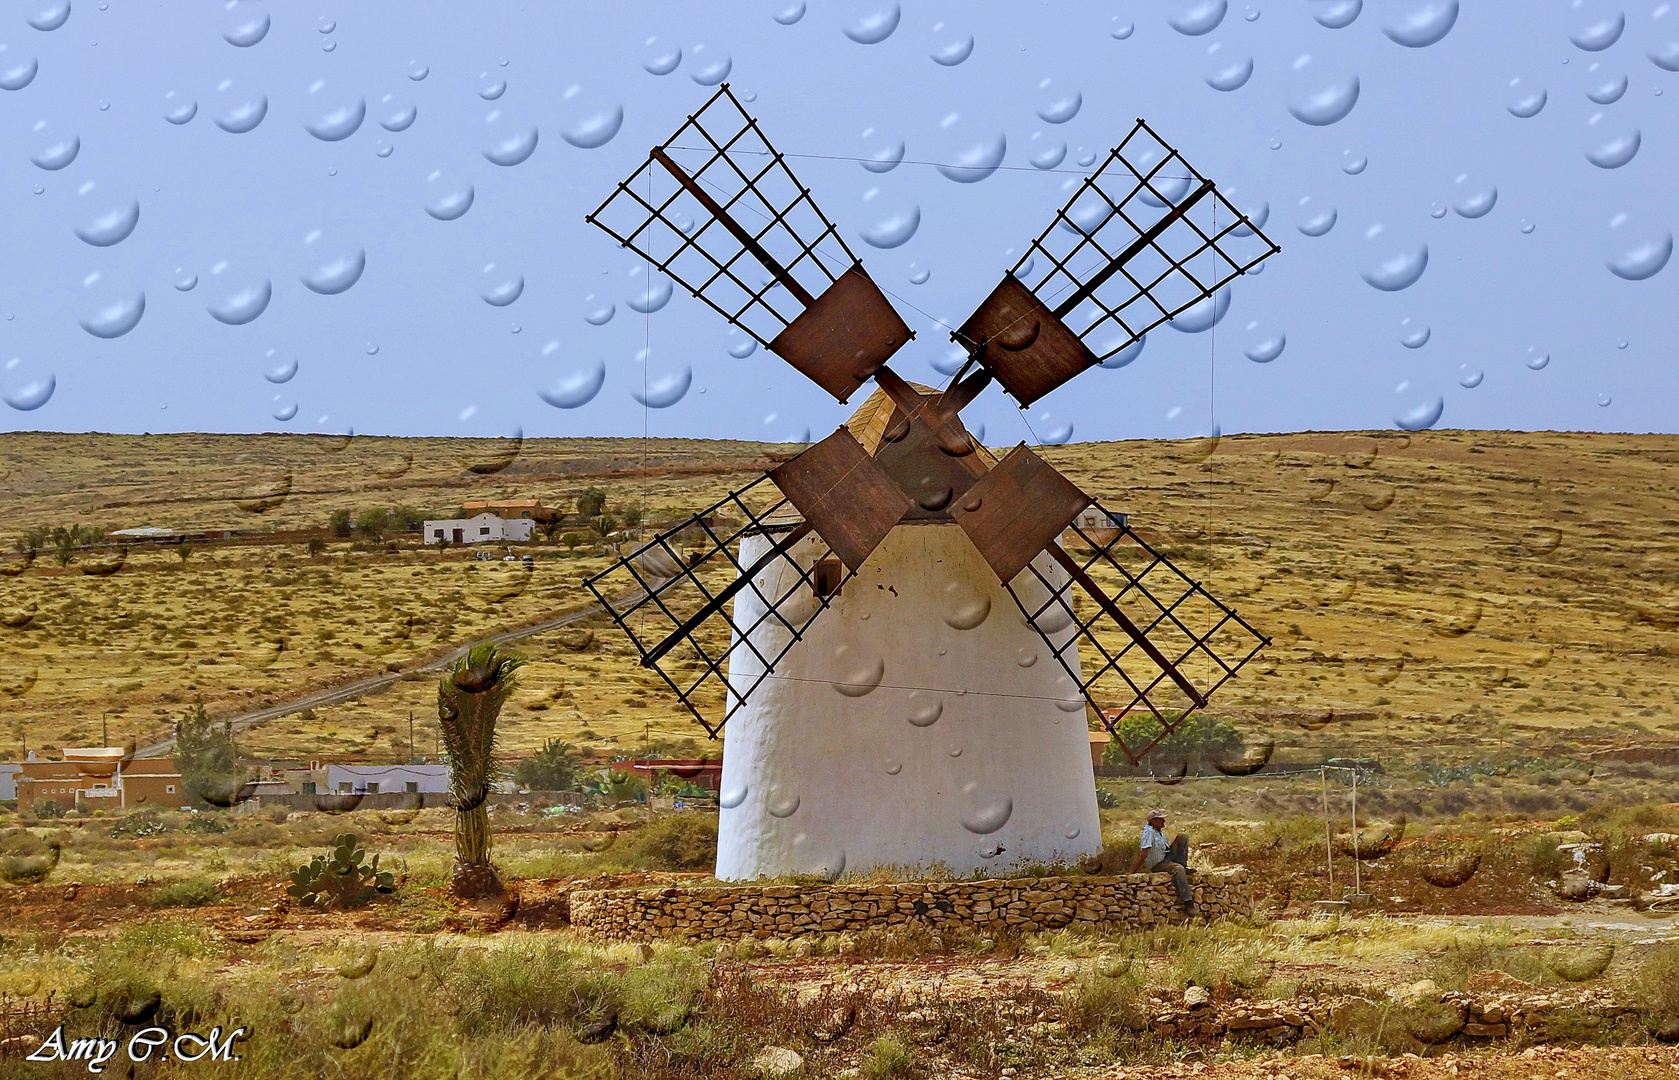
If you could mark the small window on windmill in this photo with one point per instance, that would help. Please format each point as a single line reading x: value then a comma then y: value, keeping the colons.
x: 827, y: 577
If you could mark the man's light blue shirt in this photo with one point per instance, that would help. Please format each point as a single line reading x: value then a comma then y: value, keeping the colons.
x: 1154, y: 839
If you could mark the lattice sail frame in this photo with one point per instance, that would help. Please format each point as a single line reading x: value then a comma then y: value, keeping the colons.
x: 1206, y: 248
x: 654, y: 591
x: 1180, y: 617
x: 647, y: 211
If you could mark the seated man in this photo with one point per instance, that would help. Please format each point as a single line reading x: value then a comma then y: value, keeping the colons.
x: 1157, y: 855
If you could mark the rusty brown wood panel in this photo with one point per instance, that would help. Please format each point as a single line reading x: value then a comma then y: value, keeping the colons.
x: 844, y: 494
x: 1017, y: 510
x: 844, y: 337
x: 1027, y: 348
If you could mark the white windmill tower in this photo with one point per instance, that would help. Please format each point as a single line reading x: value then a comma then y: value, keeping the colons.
x: 971, y: 609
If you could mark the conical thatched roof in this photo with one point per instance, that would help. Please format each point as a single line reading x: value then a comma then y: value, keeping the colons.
x: 869, y: 423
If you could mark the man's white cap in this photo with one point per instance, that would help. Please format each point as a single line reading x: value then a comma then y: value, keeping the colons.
x: 1152, y: 814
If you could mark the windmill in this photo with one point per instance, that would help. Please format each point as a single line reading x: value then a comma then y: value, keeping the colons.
x: 904, y: 631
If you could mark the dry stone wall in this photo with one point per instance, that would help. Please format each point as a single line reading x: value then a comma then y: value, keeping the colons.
x: 1022, y: 905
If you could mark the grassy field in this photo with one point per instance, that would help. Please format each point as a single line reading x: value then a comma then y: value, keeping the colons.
x: 1451, y: 594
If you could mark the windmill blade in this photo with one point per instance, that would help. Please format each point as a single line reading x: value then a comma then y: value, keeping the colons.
x: 1144, y: 239
x: 844, y: 494
x: 1016, y: 510
x: 1189, y: 634
x: 672, y: 597
x: 717, y: 209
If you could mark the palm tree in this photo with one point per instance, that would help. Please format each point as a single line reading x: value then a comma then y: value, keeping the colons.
x: 469, y: 699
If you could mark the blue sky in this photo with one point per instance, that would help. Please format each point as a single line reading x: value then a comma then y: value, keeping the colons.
x: 335, y: 175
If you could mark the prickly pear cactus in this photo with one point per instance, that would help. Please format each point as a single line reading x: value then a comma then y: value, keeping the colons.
x: 341, y: 879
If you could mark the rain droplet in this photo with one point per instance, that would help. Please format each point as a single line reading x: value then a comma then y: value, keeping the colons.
x: 1203, y: 315
x: 505, y: 292
x: 790, y: 14
x: 31, y: 395
x: 283, y: 373
x: 1267, y: 349
x: 1059, y: 435
x: 1251, y: 14
x: 1477, y: 205
x: 117, y: 318
x: 1276, y: 144
x: 1071, y: 832
x: 954, y: 53
x: 1327, y: 105
x: 1198, y: 17
x: 185, y: 282
x: 664, y: 63
x: 383, y: 149
x: 713, y: 73
x: 1121, y: 31
x: 492, y: 91
x: 964, y: 607
x: 1604, y: 401
x: 417, y: 71
x: 1597, y: 36
x: 1620, y: 343
x: 665, y: 391
x: 1320, y: 223
x: 451, y: 204
x: 1537, y: 360
x: 893, y: 231
x: 650, y: 299
x: 1337, y: 14
x: 1415, y: 337
x: 1026, y: 657
x: 731, y: 797
x: 245, y: 34
x: 111, y: 227
x: 740, y: 350
x: 1399, y: 271
x: 1062, y: 109
x: 1126, y: 355
x: 1470, y: 379
x: 339, y: 123
x: 885, y: 159
x: 519, y: 146
x: 861, y: 674
x: 925, y: 708
x: 336, y: 276
x: 953, y: 750
x: 782, y: 800
x: 987, y: 816
x: 595, y: 130
x: 977, y: 162
x: 876, y: 27
x: 600, y: 316
x: 57, y: 155
x: 285, y: 412
x: 372, y: 349
x: 1421, y: 416
x: 1529, y: 105
x: 1425, y: 24
x: 1232, y: 76
x: 326, y: 26
x: 577, y: 389
x: 329, y: 46
x: 52, y: 16
x: 1050, y: 156
x: 1354, y: 165
x: 1527, y: 226
x: 1643, y: 261
x: 920, y: 276
x: 243, y: 117
x: 1616, y: 152
x: 398, y: 118
x: 243, y: 305
x: 1665, y: 57
x: 19, y: 75
x: 1608, y: 93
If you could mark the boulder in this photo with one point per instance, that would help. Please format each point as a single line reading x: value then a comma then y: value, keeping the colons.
x: 777, y: 1061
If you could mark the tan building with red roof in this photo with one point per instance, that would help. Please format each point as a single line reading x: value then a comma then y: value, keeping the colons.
x: 100, y: 778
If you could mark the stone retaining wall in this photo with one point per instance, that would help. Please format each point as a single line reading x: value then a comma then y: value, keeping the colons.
x: 1022, y: 905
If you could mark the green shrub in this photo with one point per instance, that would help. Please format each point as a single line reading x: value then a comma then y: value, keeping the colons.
x: 1656, y: 986
x: 684, y: 842
x: 1200, y: 736
x: 889, y: 1058
x: 189, y: 892
x: 340, y: 880
x: 553, y: 768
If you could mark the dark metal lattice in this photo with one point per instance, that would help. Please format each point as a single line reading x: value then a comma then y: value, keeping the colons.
x: 1204, y: 638
x: 756, y: 263
x: 1098, y: 269
x: 677, y: 597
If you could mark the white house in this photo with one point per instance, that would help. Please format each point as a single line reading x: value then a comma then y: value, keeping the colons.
x: 378, y: 779
x: 484, y: 528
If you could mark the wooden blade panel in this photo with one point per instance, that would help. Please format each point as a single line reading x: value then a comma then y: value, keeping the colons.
x: 844, y: 336
x: 1016, y: 510
x: 1023, y: 343
x: 844, y: 494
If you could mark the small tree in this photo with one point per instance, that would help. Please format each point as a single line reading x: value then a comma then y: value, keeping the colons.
x: 469, y: 701
x: 631, y: 516
x: 553, y: 768
x: 591, y: 502
x: 340, y: 524
x: 183, y: 551
x: 315, y: 546
x: 1199, y: 736
x: 551, y: 528
x: 373, y: 523
x: 205, y: 755
x: 408, y: 519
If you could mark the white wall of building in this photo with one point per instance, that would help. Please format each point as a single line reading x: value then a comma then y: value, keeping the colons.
x: 920, y: 722
x: 484, y: 528
x: 433, y: 778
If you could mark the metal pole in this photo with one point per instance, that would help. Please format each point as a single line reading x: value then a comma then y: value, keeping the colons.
x: 1358, y: 884
x: 410, y: 736
x: 1328, y: 833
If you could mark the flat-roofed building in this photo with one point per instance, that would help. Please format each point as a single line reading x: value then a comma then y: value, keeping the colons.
x: 100, y: 778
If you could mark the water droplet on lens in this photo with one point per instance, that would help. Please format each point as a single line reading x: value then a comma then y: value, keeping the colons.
x: 1608, y: 93
x: 790, y: 14
x: 1251, y: 14
x: 1537, y: 360
x: 339, y: 123
x: 58, y: 154
x: 740, y: 350
x: 1421, y: 416
x: 1604, y: 401
x: 1232, y: 76
x: 731, y: 797
x: 953, y: 750
x: 417, y: 71
x: 594, y: 130
x: 1477, y: 205
x: 925, y: 708
x: 329, y: 45
x: 52, y: 16
x: 1427, y: 22
x: 1121, y: 31
x: 246, y: 33
x: 243, y: 305
x: 1415, y: 337
x: 504, y: 292
x: 31, y: 395
x: 577, y: 389
x: 492, y: 91
x: 452, y: 203
x: 519, y: 146
x: 1354, y: 165
x: 1666, y: 57
x: 1527, y: 226
x: 116, y: 318
x: 112, y: 227
x: 338, y: 275
x: 283, y: 373
x: 1599, y: 35
x: 1026, y: 657
x: 600, y: 316
x: 894, y: 767
x: 19, y: 75
x: 987, y: 816
x: 919, y: 277
x: 397, y: 118
x: 1336, y: 14
x: 286, y: 412
x: 1644, y: 260
x: 1126, y: 355
x: 1204, y: 314
x: 781, y: 800
x: 326, y: 26
x: 1327, y: 105
x: 1276, y: 144
x: 650, y: 299
x: 1615, y: 152
x: 244, y: 116
x: 955, y: 52
x: 1062, y: 109
x: 104, y: 106
x: 372, y: 349
x: 382, y: 148
x: 1267, y: 348
x: 874, y: 28
x: 1198, y: 17
x: 184, y: 281
x: 1470, y: 379
x: 885, y: 159
x: 965, y: 608
x: 1398, y: 271
x: 1529, y: 105
x: 1620, y: 343
x: 713, y: 73
x: 665, y: 391
x: 977, y: 162
x: 664, y: 63
x: 893, y: 231
x: 1050, y: 156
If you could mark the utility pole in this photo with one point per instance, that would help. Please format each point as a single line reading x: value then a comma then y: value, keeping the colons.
x: 410, y: 736
x: 104, y: 729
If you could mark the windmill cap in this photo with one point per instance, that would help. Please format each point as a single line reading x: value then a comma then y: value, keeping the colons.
x: 1152, y: 814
